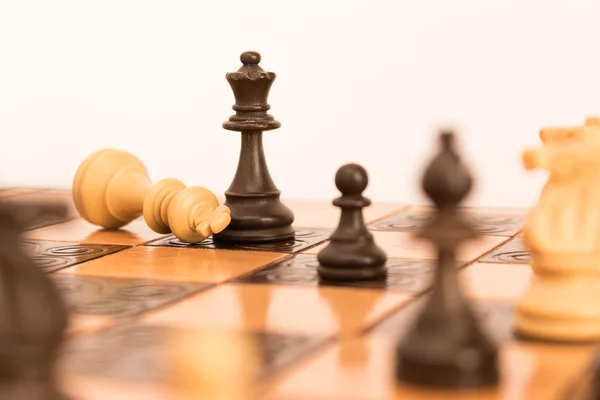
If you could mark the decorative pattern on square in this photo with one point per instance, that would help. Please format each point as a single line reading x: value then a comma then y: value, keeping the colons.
x: 484, y: 223
x: 496, y: 318
x: 409, y: 276
x: 511, y: 252
x: 117, y: 297
x: 53, y: 256
x: 305, y: 238
x: 140, y: 351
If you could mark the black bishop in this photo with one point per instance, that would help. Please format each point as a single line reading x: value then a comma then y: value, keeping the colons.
x: 446, y: 346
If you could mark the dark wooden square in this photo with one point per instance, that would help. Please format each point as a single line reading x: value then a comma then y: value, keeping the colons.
x: 44, y: 220
x: 511, y: 252
x: 305, y: 239
x: 496, y: 318
x: 139, y: 351
x: 492, y: 224
x: 409, y: 276
x: 53, y: 256
x: 30, y: 218
x: 120, y: 297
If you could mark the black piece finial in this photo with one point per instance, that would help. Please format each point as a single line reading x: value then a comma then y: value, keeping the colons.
x: 447, y: 331
x: 447, y: 139
x: 351, y: 253
x: 257, y: 213
x: 250, y: 57
x: 33, y: 315
x: 446, y: 181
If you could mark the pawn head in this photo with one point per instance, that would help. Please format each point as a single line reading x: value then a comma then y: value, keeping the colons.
x: 351, y: 179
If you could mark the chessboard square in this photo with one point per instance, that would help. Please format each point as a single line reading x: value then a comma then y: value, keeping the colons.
x: 177, y: 264
x: 140, y: 351
x: 85, y: 387
x: 51, y: 195
x: 80, y: 324
x: 313, y: 214
x: 404, y: 276
x: 53, y: 256
x: 511, y: 252
x: 79, y: 230
x: 279, y: 351
x: 485, y: 221
x: 11, y: 192
x: 491, y: 281
x: 406, y: 245
x: 364, y: 368
x: 305, y: 239
x: 34, y: 219
x: 351, y: 369
x: 281, y: 309
x: 117, y: 297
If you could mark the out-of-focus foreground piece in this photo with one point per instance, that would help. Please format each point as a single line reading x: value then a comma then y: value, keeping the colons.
x: 33, y: 316
x: 562, y: 233
x: 446, y: 346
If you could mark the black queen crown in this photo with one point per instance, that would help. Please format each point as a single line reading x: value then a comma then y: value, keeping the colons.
x: 251, y: 85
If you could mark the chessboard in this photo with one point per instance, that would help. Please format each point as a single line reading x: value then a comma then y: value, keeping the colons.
x: 126, y: 289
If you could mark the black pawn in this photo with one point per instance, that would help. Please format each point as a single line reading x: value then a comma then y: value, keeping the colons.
x: 352, y: 253
x: 446, y: 347
x: 257, y: 213
x: 33, y: 317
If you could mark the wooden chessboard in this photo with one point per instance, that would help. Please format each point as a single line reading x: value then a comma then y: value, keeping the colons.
x: 126, y: 289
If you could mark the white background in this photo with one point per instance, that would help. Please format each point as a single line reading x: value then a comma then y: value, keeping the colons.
x: 365, y: 81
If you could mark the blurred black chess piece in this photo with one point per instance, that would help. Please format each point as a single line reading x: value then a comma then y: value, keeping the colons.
x: 352, y: 253
x: 446, y: 346
x: 257, y: 213
x: 33, y: 316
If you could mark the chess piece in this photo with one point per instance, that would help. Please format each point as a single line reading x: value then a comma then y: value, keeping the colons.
x: 562, y: 234
x: 351, y: 253
x: 257, y: 213
x: 33, y: 316
x: 111, y: 188
x: 214, y: 365
x: 446, y: 347
x: 592, y: 121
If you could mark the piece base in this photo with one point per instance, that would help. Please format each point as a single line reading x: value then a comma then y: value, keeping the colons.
x: 255, y: 235
x: 556, y: 330
x: 109, y: 187
x: 352, y: 273
x: 442, y: 376
x: 527, y: 338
